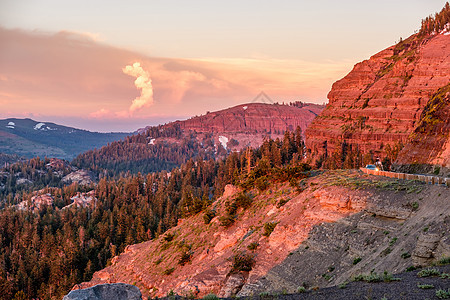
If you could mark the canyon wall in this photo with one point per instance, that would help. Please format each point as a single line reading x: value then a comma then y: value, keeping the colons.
x: 380, y: 102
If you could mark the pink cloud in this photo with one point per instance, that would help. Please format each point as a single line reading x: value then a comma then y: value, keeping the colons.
x: 72, y: 74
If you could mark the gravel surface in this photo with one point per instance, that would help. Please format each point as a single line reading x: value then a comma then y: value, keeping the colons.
x: 407, y: 288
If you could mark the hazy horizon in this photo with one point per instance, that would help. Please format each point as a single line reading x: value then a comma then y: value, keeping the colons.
x: 119, y: 67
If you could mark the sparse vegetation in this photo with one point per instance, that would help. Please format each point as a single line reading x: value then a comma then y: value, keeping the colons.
x: 410, y: 269
x: 282, y: 202
x: 168, y: 271
x: 425, y: 286
x: 375, y: 277
x: 185, y: 257
x: 269, y: 227
x: 357, y: 260
x: 242, y: 262
x: 405, y: 255
x: 253, y: 246
x: 209, y: 215
x: 227, y: 220
x: 210, y: 297
x: 343, y: 285
x: 169, y: 237
x: 444, y: 261
x: 443, y: 294
x: 428, y: 272
x: 393, y: 241
x: 301, y: 289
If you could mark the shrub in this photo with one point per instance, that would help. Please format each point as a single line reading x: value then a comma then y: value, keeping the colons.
x: 210, y: 297
x: 226, y: 221
x: 357, y: 260
x: 282, y: 202
x: 425, y: 286
x: 428, y: 272
x: 168, y: 271
x: 410, y: 269
x: 405, y: 255
x: 243, y: 200
x: 374, y: 277
x: 262, y: 183
x: 443, y: 294
x: 185, y: 258
x: 269, y: 227
x: 169, y: 237
x: 209, y: 215
x: 242, y: 262
x: 301, y: 289
x: 253, y: 246
x: 444, y: 261
x: 343, y: 285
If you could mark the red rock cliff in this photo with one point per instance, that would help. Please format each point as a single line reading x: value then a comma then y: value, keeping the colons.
x: 254, y: 118
x: 381, y: 100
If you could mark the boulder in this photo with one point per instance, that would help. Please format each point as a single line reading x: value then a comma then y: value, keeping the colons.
x: 118, y: 291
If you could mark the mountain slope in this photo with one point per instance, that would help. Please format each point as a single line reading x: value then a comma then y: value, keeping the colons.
x: 208, y: 136
x: 29, y: 138
x: 379, y: 103
x: 316, y: 233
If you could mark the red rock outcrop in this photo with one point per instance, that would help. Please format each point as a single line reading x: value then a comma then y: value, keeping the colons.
x: 430, y: 142
x: 246, y: 125
x: 254, y: 118
x: 381, y: 100
x: 154, y: 266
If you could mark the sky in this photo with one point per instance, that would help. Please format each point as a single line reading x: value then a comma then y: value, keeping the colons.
x: 122, y: 65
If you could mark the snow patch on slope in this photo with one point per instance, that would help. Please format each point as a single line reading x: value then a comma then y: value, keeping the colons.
x: 38, y: 126
x: 152, y: 142
x: 11, y: 125
x: 224, y: 141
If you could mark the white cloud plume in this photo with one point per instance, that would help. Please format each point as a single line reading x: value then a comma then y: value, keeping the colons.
x: 143, y: 82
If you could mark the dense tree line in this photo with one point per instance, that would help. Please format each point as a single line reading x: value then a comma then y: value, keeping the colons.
x: 437, y: 22
x: 44, y: 254
x: 134, y: 154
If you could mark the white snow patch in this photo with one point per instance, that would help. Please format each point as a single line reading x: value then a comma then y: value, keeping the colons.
x: 245, y: 107
x: 224, y: 141
x: 152, y: 142
x: 12, y: 124
x: 12, y: 127
x: 39, y: 126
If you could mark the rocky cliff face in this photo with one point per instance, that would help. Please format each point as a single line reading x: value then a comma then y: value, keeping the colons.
x: 381, y: 100
x: 317, y: 234
x: 254, y: 118
x: 430, y: 143
x: 248, y: 124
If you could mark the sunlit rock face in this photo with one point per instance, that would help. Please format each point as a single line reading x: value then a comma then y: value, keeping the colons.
x: 381, y: 100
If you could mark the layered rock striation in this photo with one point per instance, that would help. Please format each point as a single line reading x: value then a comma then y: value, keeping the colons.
x: 254, y: 118
x: 381, y: 100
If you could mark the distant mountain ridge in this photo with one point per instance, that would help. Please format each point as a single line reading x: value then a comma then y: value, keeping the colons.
x: 255, y: 120
x: 30, y: 138
x: 208, y: 136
